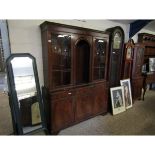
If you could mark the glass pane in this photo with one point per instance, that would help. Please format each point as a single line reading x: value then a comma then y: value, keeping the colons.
x: 99, y: 59
x: 66, y: 77
x: 61, y: 62
x: 98, y: 73
x: 24, y: 77
x: 56, y: 75
x: 61, y: 48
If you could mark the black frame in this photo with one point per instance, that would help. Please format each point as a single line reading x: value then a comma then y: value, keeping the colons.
x: 13, y: 96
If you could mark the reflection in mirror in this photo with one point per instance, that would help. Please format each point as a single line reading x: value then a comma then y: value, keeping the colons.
x: 27, y: 93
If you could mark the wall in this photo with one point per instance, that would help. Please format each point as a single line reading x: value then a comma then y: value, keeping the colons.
x: 25, y: 35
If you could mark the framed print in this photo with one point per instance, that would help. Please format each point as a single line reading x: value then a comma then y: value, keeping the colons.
x: 151, y: 64
x: 117, y: 98
x: 127, y: 92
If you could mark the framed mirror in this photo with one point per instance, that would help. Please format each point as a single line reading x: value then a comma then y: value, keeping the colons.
x: 25, y: 95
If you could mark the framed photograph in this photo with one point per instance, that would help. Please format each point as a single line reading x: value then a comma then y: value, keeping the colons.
x: 127, y: 92
x: 117, y: 98
x: 151, y: 64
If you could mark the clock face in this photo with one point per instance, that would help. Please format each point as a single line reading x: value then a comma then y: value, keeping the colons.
x: 117, y: 41
x: 129, y: 53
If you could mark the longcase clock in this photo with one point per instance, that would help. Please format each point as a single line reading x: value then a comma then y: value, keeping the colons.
x: 115, y: 55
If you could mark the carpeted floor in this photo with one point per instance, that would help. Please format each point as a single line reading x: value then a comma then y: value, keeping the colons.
x: 5, y: 116
x: 138, y: 120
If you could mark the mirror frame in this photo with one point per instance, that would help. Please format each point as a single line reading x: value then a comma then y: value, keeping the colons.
x: 13, y: 100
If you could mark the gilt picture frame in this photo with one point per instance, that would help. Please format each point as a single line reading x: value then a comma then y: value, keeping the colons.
x: 117, y: 100
x: 127, y: 92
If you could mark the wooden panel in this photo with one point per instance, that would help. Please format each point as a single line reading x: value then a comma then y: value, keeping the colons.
x: 45, y: 59
x: 150, y: 78
x: 62, y: 94
x: 137, y: 85
x: 127, y: 69
x: 138, y: 60
x: 100, y: 99
x: 84, y: 103
x: 84, y: 90
x: 149, y: 51
x: 62, y: 114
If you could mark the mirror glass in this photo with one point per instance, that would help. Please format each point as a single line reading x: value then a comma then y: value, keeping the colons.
x: 26, y: 91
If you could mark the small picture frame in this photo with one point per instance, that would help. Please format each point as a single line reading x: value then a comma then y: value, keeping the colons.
x: 127, y: 92
x: 117, y: 98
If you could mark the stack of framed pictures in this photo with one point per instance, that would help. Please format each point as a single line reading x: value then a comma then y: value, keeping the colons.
x: 121, y: 97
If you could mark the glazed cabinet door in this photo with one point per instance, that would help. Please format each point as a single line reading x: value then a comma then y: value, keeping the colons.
x: 60, y: 59
x: 99, y: 58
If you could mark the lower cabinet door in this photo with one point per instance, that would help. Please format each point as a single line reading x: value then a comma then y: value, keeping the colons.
x: 100, y: 99
x: 62, y: 114
x: 84, y: 104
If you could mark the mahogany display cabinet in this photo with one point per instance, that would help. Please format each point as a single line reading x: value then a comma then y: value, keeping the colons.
x: 75, y: 72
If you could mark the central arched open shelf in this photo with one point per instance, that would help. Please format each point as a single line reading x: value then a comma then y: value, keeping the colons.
x: 82, y: 58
